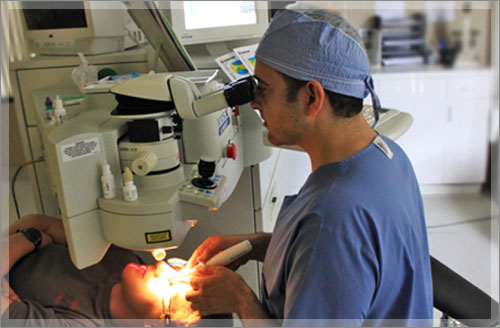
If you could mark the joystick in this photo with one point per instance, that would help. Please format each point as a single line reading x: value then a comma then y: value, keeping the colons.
x: 206, y: 169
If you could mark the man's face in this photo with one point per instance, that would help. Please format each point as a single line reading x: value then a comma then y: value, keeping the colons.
x: 283, y: 119
x: 135, y: 287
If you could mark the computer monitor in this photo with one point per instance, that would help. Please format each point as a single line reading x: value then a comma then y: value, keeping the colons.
x: 197, y: 22
x: 68, y: 27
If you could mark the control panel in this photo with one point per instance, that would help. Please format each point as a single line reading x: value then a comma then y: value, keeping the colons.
x: 189, y: 192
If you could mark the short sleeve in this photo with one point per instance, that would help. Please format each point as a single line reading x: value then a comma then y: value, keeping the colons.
x: 331, y: 275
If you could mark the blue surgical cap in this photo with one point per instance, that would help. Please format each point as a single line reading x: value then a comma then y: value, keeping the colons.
x: 308, y: 43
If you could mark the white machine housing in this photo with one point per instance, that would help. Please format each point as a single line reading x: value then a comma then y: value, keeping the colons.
x: 168, y: 205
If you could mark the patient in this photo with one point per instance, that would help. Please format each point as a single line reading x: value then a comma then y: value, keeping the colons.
x: 46, y: 289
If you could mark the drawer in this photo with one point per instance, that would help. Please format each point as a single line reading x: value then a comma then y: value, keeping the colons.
x: 469, y: 87
x: 409, y: 88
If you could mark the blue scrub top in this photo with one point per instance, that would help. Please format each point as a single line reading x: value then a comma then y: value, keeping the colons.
x: 351, y: 247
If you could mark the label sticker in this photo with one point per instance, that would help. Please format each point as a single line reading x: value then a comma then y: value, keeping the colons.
x: 383, y: 146
x: 80, y: 149
x: 223, y: 121
x: 158, y: 237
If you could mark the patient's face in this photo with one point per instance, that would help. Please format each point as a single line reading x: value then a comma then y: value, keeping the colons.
x: 150, y: 294
x: 135, y: 287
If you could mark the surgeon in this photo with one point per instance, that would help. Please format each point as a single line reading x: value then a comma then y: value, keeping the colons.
x: 351, y: 247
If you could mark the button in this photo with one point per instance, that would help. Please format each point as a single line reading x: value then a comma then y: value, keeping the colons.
x: 231, y: 151
x: 208, y: 192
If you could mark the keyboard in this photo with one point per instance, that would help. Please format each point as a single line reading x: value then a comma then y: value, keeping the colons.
x: 391, y: 123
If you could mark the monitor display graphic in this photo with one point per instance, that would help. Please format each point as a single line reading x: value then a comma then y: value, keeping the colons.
x: 208, y: 14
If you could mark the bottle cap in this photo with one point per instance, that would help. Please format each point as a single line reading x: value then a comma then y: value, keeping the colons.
x: 48, y: 102
x: 106, y: 169
x: 127, y: 175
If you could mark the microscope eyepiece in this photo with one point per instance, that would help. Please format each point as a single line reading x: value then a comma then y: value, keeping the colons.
x: 240, y: 92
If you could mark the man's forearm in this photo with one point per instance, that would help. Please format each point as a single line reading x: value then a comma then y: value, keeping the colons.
x: 252, y: 313
x: 260, y: 242
x: 18, y: 247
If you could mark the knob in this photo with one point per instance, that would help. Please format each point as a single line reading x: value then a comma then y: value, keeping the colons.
x: 231, y: 151
x: 143, y: 164
x: 206, y: 168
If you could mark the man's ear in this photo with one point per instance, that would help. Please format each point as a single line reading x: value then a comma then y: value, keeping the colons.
x: 315, y: 97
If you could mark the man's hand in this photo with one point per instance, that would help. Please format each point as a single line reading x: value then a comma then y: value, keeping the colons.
x: 7, y: 292
x: 216, y: 290
x: 214, y: 244
x: 47, y: 224
x: 8, y: 295
x: 46, y: 240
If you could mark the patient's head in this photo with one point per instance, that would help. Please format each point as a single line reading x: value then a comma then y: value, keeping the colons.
x: 147, y: 294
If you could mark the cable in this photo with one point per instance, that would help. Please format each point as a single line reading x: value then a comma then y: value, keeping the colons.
x: 41, y: 159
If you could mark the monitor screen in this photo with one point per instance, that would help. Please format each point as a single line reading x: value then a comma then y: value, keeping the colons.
x: 50, y: 15
x: 196, y: 22
x: 202, y: 14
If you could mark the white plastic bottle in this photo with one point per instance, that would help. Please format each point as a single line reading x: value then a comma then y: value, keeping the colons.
x: 108, y: 182
x: 129, y: 189
x: 59, y: 112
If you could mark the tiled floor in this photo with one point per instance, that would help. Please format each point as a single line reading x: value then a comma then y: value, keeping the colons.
x: 463, y: 233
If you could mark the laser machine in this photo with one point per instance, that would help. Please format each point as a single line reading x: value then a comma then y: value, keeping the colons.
x: 163, y: 125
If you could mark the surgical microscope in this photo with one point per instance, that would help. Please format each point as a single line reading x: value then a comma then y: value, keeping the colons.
x: 181, y: 136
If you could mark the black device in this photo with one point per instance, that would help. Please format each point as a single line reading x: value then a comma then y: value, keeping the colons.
x: 33, y: 235
x: 241, y: 91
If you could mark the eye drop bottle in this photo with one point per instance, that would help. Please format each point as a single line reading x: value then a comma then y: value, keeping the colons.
x: 129, y: 189
x: 49, y: 110
x: 60, y: 112
x: 108, y: 182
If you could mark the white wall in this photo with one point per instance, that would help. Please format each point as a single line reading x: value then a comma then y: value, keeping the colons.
x: 495, y: 100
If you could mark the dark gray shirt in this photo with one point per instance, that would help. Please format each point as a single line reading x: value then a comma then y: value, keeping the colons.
x: 55, y: 293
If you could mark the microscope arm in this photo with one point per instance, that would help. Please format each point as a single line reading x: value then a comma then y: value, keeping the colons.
x: 191, y: 105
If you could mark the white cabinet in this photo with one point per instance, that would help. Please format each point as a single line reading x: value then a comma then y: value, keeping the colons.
x: 424, y: 141
x: 467, y: 129
x: 448, y: 141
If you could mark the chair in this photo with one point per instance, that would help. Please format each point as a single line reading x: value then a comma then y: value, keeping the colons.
x: 461, y: 300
